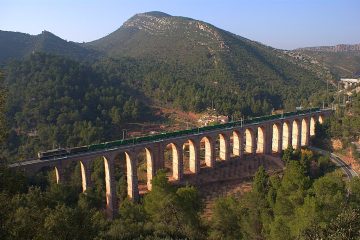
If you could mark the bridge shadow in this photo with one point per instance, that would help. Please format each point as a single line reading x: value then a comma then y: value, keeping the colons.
x: 234, y: 170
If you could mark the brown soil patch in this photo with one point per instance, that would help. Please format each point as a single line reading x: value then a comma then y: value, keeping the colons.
x: 336, y: 144
x: 179, y: 116
x: 174, y: 120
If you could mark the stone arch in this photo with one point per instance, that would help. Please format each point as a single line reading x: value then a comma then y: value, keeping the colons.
x: 64, y: 171
x: 132, y: 177
x: 150, y: 168
x: 304, y: 132
x: 286, y: 136
x: 208, y: 151
x: 312, y: 126
x: 145, y: 168
x: 185, y: 157
x: 175, y: 159
x: 296, y: 134
x: 223, y: 148
x: 237, y: 145
x: 126, y: 162
x: 193, y: 155
x: 45, y: 173
x: 261, y: 139
x: 249, y: 138
x: 276, y: 138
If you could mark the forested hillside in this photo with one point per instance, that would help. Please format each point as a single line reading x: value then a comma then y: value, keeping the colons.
x: 65, y: 94
x: 343, y: 60
x: 192, y: 55
x: 53, y: 101
x: 15, y: 45
x: 182, y: 62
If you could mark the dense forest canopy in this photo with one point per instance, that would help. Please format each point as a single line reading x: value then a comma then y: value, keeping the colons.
x: 57, y: 102
x: 53, y: 102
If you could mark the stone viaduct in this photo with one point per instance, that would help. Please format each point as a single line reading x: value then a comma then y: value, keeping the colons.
x: 264, y: 137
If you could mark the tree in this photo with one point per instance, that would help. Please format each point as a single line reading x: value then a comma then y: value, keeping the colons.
x: 287, y: 154
x: 64, y: 223
x: 261, y: 181
x: 354, y: 188
x: 330, y: 195
x: 255, y: 215
x: 307, y: 156
x: 225, y: 221
x: 2, y: 112
x: 173, y: 213
x: 345, y: 226
x: 132, y: 222
x: 280, y: 229
x: 323, y: 164
x: 291, y: 194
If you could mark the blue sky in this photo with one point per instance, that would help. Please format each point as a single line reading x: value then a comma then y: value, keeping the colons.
x: 285, y: 24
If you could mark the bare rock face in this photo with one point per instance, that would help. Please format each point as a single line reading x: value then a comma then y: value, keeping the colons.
x: 152, y: 24
x: 161, y: 24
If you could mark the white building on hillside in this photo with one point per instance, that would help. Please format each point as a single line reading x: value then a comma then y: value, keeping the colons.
x: 350, y: 82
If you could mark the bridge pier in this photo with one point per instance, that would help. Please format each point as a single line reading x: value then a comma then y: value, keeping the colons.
x: 268, y: 138
x: 85, y: 174
x: 111, y: 201
x: 194, y: 160
x: 300, y: 134
x: 254, y: 143
x: 158, y: 154
x: 279, y: 139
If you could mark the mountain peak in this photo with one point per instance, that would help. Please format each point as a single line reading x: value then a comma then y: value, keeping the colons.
x: 46, y: 34
x: 155, y: 14
x: 148, y: 20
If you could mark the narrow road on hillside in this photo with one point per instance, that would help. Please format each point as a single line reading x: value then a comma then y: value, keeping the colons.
x: 338, y: 162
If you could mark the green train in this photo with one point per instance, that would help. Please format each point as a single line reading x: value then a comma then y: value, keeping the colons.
x: 55, y: 153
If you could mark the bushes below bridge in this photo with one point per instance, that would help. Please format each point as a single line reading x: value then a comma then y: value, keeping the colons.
x: 293, y: 205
